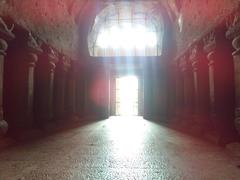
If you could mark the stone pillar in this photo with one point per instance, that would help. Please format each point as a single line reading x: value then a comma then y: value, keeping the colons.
x: 19, y: 81
x: 221, y: 87
x: 71, y: 90
x: 21, y: 69
x: 80, y: 90
x: 60, y: 86
x: 113, y: 92
x: 106, y: 99
x: 233, y: 33
x: 201, y: 89
x: 45, y: 71
x: 179, y: 93
x: 148, y: 91
x: 87, y: 89
x: 171, y: 90
x: 100, y: 90
x: 140, y: 93
x: 160, y: 91
x: 5, y: 35
x: 188, y: 92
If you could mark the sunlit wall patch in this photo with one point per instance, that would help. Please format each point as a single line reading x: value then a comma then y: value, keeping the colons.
x: 127, y: 29
x: 180, y: 22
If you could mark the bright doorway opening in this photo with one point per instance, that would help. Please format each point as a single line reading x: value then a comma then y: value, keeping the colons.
x: 127, y: 96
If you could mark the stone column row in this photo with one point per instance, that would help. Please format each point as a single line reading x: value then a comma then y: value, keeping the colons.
x: 233, y: 34
x: 5, y: 35
x: 56, y: 88
x: 179, y: 93
x: 61, y: 75
x: 188, y: 91
x: 205, y: 86
x: 199, y: 65
x: 38, y: 86
x: 221, y: 85
x: 19, y: 80
x: 45, y: 71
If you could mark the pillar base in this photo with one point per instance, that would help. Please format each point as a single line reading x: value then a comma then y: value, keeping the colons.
x: 199, y: 125
x: 197, y: 130
x: 219, y: 138
x: 187, y: 122
x: 237, y: 124
x: 3, y: 128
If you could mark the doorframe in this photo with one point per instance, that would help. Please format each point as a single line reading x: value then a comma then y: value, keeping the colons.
x: 115, y: 73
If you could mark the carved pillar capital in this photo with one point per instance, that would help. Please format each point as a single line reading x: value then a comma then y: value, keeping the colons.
x: 236, y: 45
x: 32, y: 44
x: 32, y: 49
x: 233, y: 24
x: 210, y: 43
x: 5, y: 35
x: 194, y: 58
x: 65, y: 63
x: 233, y: 32
x: 210, y: 46
x: 51, y: 57
x: 183, y: 63
x: 5, y: 32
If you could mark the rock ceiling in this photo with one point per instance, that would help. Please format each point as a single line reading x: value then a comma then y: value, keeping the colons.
x: 172, y: 6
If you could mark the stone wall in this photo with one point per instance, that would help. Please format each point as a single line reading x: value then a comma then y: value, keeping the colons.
x: 55, y: 21
x: 199, y: 16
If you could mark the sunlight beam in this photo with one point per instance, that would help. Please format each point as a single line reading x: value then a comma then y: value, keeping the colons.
x: 127, y: 37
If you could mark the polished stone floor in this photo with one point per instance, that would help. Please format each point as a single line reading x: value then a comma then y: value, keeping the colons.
x: 118, y: 148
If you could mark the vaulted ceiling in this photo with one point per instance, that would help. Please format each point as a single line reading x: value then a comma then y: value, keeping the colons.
x: 65, y: 23
x: 87, y: 10
x: 172, y: 6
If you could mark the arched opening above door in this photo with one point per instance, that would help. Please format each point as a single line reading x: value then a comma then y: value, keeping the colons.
x: 127, y: 29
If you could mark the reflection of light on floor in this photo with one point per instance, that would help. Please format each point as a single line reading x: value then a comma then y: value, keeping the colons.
x: 127, y: 135
x: 127, y: 95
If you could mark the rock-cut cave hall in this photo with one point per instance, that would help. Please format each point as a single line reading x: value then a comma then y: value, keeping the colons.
x: 119, y: 89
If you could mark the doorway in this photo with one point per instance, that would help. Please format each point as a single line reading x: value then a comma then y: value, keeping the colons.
x: 127, y: 96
